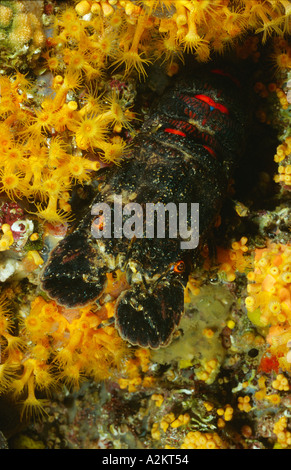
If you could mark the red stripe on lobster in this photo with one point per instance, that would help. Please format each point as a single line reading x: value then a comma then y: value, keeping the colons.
x: 211, y: 102
x: 175, y: 131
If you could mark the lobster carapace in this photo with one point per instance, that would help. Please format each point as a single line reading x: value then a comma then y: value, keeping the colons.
x: 184, y: 153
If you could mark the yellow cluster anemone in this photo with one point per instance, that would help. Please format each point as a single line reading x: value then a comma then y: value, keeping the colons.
x: 225, y: 414
x: 169, y: 420
x: 278, y: 93
x: 6, y: 239
x: 281, y: 55
x: 244, y: 404
x: 269, y: 302
x: 284, y: 175
x: 133, y: 372
x: 176, y: 27
x: 158, y: 399
x: 283, y: 158
x: 203, y: 440
x: 234, y: 260
x: 39, y: 161
x: 269, y: 286
x: 280, y: 383
x: 283, y: 150
x: 208, y: 370
x: 64, y: 347
x: 279, y: 341
x: 282, y: 433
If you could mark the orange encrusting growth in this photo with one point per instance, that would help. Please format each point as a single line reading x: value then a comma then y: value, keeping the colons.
x: 234, y: 260
x: 283, y: 435
x: 134, y: 372
x: 64, y: 347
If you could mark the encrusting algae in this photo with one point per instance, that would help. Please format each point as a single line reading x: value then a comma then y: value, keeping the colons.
x: 70, y: 74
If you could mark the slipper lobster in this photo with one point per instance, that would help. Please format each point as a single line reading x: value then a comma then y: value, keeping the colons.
x: 184, y: 153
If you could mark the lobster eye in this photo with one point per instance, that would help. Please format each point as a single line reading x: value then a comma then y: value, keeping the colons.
x: 179, y: 267
x: 98, y: 222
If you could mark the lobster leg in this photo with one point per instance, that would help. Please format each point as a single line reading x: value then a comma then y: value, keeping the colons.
x: 149, y: 318
x: 75, y: 273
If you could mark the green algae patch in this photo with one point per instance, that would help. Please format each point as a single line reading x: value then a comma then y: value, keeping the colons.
x: 206, y: 312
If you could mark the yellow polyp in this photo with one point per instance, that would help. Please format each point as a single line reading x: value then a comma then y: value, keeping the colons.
x: 281, y: 383
x: 262, y: 381
x: 228, y: 414
x: 6, y: 239
x: 191, y: 41
x: 235, y: 245
x: 244, y: 404
x: 250, y: 302
x: 180, y: 421
x: 61, y: 95
x: 208, y: 333
x: 57, y: 81
x: 35, y: 256
x: 83, y: 7
x: 155, y: 432
x: 95, y: 8
x: 230, y: 324
x: 209, y: 406
x: 275, y: 307
x: 181, y: 16
x: 226, y: 267
x: 282, y: 433
x: 278, y: 159
x: 8, y: 372
x: 220, y: 423
x: 200, y: 440
x: 211, y: 365
x: 72, y: 105
x: 158, y: 399
x: 34, y: 236
x: 286, y: 277
x: 260, y: 395
x: 32, y: 406
x: 64, y: 206
x: 166, y: 421
x: 51, y: 213
x: 107, y: 9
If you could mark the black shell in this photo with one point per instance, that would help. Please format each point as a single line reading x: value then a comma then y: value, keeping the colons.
x: 184, y: 153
